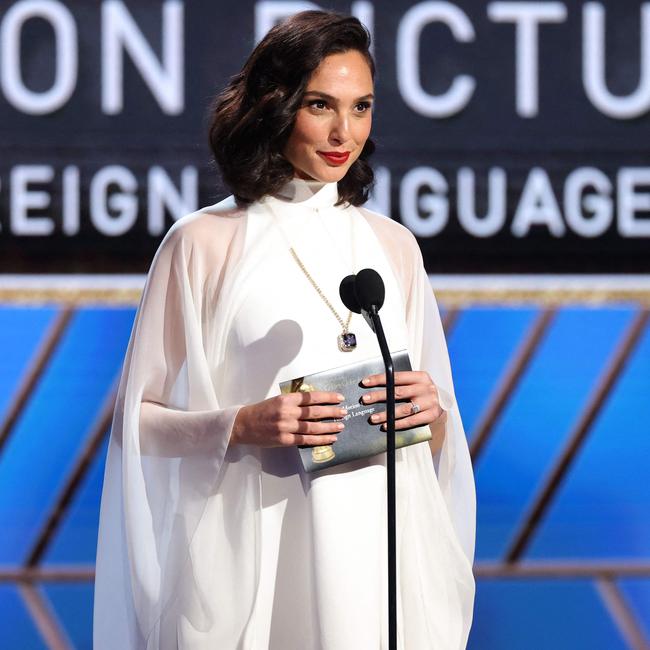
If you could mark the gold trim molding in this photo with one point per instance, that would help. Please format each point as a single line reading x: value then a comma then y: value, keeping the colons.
x: 450, y: 298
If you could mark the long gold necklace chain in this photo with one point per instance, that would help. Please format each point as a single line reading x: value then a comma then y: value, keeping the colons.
x: 346, y: 341
x: 345, y: 325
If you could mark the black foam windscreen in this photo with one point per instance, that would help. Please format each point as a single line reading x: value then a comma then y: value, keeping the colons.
x: 348, y: 295
x: 369, y: 289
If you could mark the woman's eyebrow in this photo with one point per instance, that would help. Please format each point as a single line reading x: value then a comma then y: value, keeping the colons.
x: 330, y: 98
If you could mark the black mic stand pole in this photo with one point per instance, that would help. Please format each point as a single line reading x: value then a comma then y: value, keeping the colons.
x: 390, y: 476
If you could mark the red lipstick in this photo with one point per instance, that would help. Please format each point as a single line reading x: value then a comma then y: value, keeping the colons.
x: 335, y: 157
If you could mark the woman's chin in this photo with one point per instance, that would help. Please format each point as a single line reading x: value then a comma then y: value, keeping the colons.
x: 329, y: 174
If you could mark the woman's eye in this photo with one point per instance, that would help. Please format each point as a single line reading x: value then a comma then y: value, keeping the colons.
x: 321, y: 105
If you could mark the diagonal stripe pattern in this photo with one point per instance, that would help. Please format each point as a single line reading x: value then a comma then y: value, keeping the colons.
x: 53, y: 568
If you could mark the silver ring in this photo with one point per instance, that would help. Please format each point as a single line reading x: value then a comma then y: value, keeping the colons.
x: 415, y: 408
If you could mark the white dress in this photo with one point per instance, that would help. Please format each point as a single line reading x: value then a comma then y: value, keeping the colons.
x: 203, y: 545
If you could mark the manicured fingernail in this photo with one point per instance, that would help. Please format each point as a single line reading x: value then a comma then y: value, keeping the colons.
x: 365, y: 381
x: 343, y: 411
x: 340, y: 426
x: 340, y: 397
x: 374, y: 418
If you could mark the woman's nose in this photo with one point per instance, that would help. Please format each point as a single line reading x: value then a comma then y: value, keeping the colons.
x: 340, y: 131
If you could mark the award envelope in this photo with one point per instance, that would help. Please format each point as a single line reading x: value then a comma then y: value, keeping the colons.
x: 360, y: 438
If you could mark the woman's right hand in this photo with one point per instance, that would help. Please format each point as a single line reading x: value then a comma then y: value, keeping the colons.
x: 288, y: 420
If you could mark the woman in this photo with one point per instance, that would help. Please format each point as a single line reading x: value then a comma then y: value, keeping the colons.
x: 211, y: 534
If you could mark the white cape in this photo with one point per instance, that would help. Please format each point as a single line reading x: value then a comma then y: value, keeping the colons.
x: 202, y: 545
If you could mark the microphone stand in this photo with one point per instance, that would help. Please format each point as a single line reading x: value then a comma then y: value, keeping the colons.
x: 373, y: 315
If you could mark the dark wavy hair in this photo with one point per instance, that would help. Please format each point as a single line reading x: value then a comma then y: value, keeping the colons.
x: 254, y: 115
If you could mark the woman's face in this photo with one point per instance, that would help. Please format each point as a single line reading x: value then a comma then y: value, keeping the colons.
x: 334, y: 118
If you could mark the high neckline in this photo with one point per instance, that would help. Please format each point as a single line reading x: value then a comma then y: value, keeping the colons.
x: 303, y: 193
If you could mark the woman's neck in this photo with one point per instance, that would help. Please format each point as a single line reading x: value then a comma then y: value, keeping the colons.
x: 301, y: 189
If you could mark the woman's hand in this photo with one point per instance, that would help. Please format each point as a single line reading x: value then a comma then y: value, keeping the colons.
x: 288, y: 420
x: 417, y: 387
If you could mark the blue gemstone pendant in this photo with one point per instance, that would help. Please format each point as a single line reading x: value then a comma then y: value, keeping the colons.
x: 347, y: 341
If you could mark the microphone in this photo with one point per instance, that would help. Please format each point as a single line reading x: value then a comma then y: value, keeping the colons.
x: 365, y: 293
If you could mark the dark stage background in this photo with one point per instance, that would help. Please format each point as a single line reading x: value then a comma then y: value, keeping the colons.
x: 512, y: 137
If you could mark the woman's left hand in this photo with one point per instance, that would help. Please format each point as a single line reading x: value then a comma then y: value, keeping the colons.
x: 415, y: 386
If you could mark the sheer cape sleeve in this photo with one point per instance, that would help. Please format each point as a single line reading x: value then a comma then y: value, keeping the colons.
x: 428, y: 349
x: 169, y: 434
